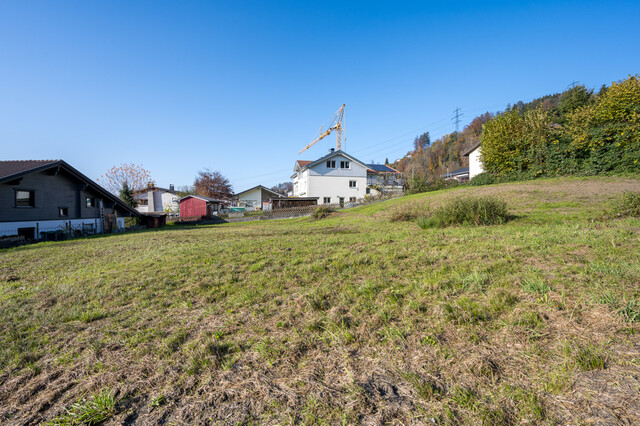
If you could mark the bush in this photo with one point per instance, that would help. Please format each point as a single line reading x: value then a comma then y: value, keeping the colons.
x: 418, y: 185
x: 484, y: 178
x: 628, y: 204
x: 322, y: 212
x: 467, y: 211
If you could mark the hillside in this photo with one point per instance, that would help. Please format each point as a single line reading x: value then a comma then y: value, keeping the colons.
x: 352, y: 319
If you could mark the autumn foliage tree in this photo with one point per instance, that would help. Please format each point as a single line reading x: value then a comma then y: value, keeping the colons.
x: 212, y: 184
x: 134, y: 176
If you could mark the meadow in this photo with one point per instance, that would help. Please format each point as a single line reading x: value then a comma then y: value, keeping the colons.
x: 359, y: 318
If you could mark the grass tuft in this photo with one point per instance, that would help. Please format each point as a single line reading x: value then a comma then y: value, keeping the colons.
x: 467, y: 211
x: 92, y: 411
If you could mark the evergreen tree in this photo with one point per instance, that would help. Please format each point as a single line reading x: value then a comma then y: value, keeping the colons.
x: 126, y: 195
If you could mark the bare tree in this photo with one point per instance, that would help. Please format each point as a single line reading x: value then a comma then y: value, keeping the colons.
x: 134, y: 176
x: 212, y: 184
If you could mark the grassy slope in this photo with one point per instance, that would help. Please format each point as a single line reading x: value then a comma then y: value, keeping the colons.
x: 351, y: 318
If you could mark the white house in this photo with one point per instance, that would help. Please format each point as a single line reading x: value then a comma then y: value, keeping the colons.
x: 339, y: 177
x: 255, y: 197
x: 156, y: 199
x: 475, y: 160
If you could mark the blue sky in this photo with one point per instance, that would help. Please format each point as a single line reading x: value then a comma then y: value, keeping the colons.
x: 241, y: 87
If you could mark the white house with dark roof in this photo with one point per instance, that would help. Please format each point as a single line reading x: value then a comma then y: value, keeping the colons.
x: 255, y: 197
x: 475, y: 160
x: 156, y: 199
x: 339, y: 177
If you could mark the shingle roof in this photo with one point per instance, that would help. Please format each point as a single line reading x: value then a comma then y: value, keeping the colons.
x: 9, y: 168
x: 304, y: 162
x: 382, y: 168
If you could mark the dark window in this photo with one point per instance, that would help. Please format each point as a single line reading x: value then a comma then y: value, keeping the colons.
x: 368, y: 190
x: 327, y: 200
x: 341, y: 201
x: 27, y: 233
x: 331, y: 164
x: 91, y: 202
x: 352, y: 184
x: 142, y: 202
x: 352, y: 199
x: 25, y: 199
x: 344, y: 164
x: 63, y: 211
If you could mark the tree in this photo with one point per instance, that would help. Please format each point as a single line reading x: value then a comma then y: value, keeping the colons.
x: 386, y: 161
x: 574, y: 98
x: 135, y: 176
x: 126, y: 195
x: 422, y: 142
x: 212, y: 184
x: 283, y: 188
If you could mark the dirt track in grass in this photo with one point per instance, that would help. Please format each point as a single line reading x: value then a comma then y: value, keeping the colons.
x: 351, y: 319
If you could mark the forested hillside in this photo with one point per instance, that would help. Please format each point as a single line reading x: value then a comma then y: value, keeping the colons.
x: 577, y: 131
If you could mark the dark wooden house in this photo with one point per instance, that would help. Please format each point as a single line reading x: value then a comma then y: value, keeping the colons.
x: 41, y: 197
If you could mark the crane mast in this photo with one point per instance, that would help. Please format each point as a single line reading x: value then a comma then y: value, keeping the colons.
x: 334, y: 124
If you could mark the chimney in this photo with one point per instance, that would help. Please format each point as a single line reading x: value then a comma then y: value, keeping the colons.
x: 332, y: 150
x: 171, y: 187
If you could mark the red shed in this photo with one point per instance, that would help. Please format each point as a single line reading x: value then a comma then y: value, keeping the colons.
x: 197, y: 206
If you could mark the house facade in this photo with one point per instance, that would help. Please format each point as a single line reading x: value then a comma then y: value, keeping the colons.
x: 339, y: 178
x: 155, y: 199
x: 44, y: 196
x: 255, y: 198
x: 475, y: 160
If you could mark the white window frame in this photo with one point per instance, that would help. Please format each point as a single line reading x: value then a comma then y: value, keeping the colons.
x: 345, y: 165
x: 327, y: 200
x: 331, y: 164
x: 354, y: 182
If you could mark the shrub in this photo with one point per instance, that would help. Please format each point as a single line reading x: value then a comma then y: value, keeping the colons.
x: 483, y: 178
x: 467, y: 211
x: 628, y: 204
x: 417, y: 185
x: 322, y: 212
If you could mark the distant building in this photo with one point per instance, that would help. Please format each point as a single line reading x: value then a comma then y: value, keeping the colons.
x: 255, y: 198
x: 475, y: 161
x: 42, y: 197
x: 155, y: 199
x: 461, y: 175
x: 339, y: 177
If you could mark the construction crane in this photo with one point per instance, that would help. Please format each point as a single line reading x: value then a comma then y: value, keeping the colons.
x: 334, y: 124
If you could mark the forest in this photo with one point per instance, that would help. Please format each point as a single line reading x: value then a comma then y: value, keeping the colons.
x: 576, y: 132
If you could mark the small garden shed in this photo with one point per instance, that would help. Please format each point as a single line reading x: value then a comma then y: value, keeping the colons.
x: 197, y: 206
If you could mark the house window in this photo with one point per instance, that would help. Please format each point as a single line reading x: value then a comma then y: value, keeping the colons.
x: 341, y: 201
x: 368, y: 191
x: 352, y: 184
x: 142, y: 202
x: 352, y: 199
x: 25, y: 199
x: 331, y: 164
x: 63, y: 211
x: 91, y: 202
x: 327, y: 200
x: 344, y: 164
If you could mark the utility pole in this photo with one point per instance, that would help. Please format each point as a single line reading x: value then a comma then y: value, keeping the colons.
x: 573, y: 84
x: 456, y: 118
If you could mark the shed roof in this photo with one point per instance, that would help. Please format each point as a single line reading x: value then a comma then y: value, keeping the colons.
x: 460, y: 171
x: 202, y: 197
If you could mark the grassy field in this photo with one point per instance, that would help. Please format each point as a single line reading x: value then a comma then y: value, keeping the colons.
x: 357, y: 318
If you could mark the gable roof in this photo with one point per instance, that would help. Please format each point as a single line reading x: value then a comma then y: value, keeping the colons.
x: 457, y: 172
x: 261, y: 187
x: 381, y: 168
x: 11, y: 170
x: 202, y: 197
x: 470, y: 150
x: 325, y: 158
x: 15, y: 169
x: 155, y: 188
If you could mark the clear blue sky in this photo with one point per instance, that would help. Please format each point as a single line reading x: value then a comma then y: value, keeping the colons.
x: 241, y: 87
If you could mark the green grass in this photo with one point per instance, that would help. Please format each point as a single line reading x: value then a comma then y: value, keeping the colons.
x: 92, y: 411
x: 362, y: 317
